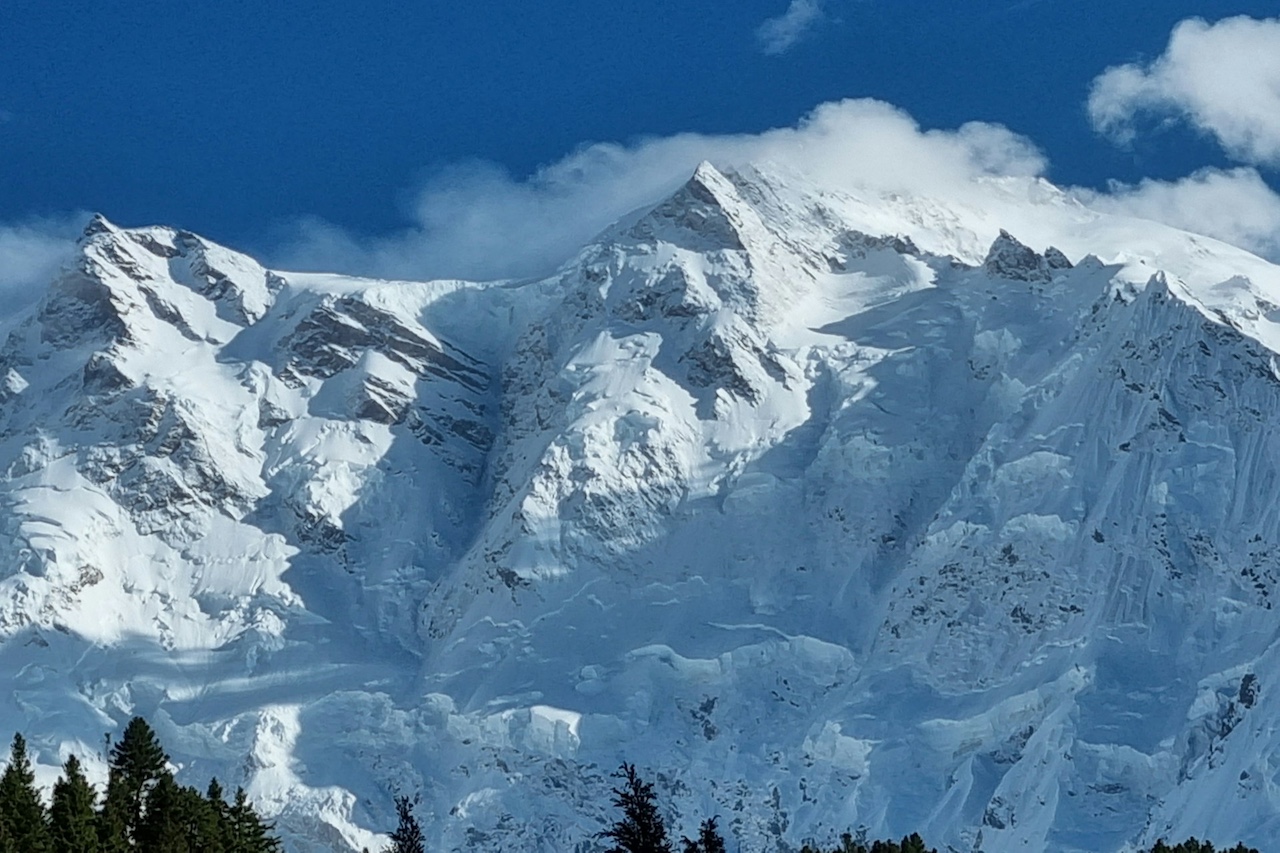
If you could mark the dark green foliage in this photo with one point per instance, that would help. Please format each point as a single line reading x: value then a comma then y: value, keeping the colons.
x: 1194, y: 845
x: 161, y: 828
x: 709, y: 840
x: 114, y: 817
x: 408, y: 835
x: 179, y: 819
x: 911, y: 844
x: 640, y: 829
x: 195, y: 820
x: 212, y: 818
x: 246, y: 831
x: 21, y: 811
x: 915, y: 844
x: 137, y: 764
x: 72, y: 823
x: 144, y: 809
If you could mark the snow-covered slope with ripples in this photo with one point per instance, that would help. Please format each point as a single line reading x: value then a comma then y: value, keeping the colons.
x: 828, y: 511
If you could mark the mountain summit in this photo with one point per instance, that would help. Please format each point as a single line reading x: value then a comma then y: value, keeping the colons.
x: 831, y: 511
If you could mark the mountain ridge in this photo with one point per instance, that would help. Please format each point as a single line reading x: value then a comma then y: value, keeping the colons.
x: 779, y: 492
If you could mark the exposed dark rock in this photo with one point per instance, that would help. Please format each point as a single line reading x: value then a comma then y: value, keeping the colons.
x: 714, y: 364
x: 80, y: 309
x: 696, y: 212
x: 103, y: 376
x: 339, y: 331
x: 230, y: 293
x: 1056, y: 260
x: 1009, y: 258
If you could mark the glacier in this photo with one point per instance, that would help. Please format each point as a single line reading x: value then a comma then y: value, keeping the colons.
x: 829, y: 510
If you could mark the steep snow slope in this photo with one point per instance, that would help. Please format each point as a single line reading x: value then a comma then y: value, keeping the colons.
x: 829, y: 511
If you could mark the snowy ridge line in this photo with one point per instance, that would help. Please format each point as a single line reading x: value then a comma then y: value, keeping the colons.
x: 828, y: 510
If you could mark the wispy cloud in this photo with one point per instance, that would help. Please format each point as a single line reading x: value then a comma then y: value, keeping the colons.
x: 1223, y: 78
x: 477, y: 221
x: 778, y: 35
x: 1235, y: 206
x: 31, y: 253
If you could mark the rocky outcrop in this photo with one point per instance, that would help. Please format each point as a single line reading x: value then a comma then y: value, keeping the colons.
x: 1008, y: 258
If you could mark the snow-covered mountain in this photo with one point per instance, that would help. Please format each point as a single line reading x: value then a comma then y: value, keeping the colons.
x: 829, y: 511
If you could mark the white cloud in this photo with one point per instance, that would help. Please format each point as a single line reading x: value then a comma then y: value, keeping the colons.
x: 1235, y: 206
x: 31, y: 253
x: 1224, y: 78
x: 476, y: 221
x: 780, y: 34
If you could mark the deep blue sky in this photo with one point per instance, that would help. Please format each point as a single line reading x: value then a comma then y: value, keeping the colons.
x: 230, y: 117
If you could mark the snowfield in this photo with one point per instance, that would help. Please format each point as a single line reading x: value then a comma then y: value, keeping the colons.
x: 828, y: 511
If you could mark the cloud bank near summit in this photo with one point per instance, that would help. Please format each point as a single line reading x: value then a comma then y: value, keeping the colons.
x: 1233, y: 205
x: 31, y: 253
x: 477, y: 221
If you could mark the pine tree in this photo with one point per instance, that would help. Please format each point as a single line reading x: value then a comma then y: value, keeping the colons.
x: 179, y: 819
x: 913, y: 843
x: 113, y: 817
x: 21, y: 811
x: 215, y: 796
x: 137, y: 764
x: 640, y: 830
x: 246, y: 831
x: 213, y: 819
x: 709, y: 839
x: 408, y: 835
x: 161, y: 830
x: 198, y: 820
x: 72, y: 823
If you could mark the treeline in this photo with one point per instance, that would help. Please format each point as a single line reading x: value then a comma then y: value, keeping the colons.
x: 915, y: 844
x: 640, y: 829
x: 142, y: 809
x: 1191, y: 845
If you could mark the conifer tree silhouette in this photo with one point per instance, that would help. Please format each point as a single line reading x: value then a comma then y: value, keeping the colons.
x: 72, y: 823
x: 640, y: 829
x: 21, y: 810
x: 408, y: 835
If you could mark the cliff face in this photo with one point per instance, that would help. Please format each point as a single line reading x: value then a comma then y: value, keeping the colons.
x: 829, y: 512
